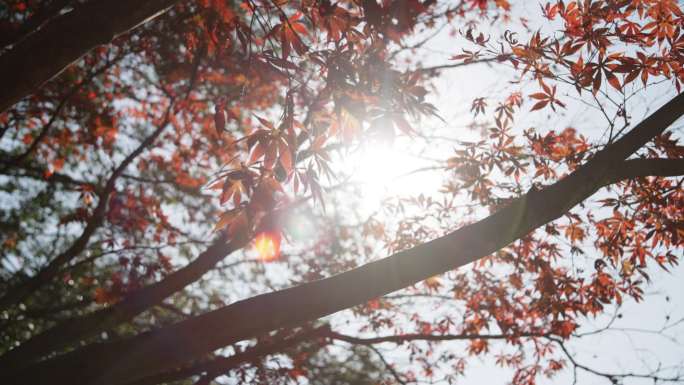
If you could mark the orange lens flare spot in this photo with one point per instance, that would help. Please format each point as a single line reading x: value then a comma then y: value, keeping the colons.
x: 268, y: 246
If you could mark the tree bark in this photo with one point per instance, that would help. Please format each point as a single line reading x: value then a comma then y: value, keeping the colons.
x: 45, y: 53
x: 133, y: 359
x: 637, y: 168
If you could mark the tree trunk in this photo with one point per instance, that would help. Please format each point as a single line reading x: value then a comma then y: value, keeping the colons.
x: 46, y: 52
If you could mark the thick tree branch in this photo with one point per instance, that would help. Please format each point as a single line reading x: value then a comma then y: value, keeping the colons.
x: 636, y: 168
x: 45, y: 130
x: 150, y: 353
x: 34, y: 23
x: 66, y: 38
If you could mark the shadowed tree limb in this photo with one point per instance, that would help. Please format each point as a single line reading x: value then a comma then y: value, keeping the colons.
x: 16, y: 160
x: 67, y: 37
x: 34, y: 22
x: 636, y: 168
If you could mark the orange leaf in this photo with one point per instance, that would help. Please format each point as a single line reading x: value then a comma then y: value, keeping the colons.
x: 539, y: 96
x: 257, y: 153
x: 225, y: 219
x: 219, y: 120
x: 58, y: 164
x: 574, y: 233
x: 613, y: 81
x: 285, y: 156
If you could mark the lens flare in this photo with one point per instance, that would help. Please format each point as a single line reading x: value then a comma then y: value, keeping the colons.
x: 267, y: 245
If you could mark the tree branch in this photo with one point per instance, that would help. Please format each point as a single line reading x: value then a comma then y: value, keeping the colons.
x: 613, y: 377
x: 34, y: 23
x: 636, y: 168
x: 66, y: 38
x: 401, y: 338
x: 45, y: 130
x: 441, y: 67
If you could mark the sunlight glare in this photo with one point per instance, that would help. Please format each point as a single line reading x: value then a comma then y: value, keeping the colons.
x: 300, y: 227
x: 384, y: 171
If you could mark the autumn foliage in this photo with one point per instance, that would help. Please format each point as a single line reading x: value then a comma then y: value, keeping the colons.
x: 160, y: 181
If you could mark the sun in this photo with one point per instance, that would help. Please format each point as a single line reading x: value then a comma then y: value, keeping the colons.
x: 381, y: 171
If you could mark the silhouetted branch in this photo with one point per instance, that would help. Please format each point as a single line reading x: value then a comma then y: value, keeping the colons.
x: 87, y: 26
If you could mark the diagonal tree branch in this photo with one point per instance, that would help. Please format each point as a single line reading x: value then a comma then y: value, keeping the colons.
x: 66, y: 38
x: 401, y: 338
x: 125, y: 361
x: 34, y: 22
x: 45, y: 130
x: 636, y: 168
